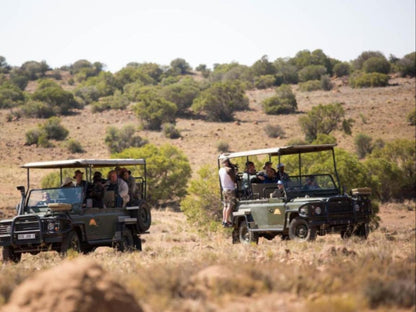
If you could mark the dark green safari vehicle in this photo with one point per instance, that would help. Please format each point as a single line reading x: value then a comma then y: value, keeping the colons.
x: 307, y: 210
x: 66, y: 219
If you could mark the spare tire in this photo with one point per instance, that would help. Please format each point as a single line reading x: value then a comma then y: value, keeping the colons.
x: 144, y: 217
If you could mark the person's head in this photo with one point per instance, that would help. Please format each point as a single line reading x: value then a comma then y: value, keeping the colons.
x: 250, y: 168
x: 78, y: 175
x: 124, y: 174
x: 281, y: 167
x: 280, y: 184
x: 267, y: 164
x: 270, y: 172
x: 225, y: 162
x: 98, y: 174
x: 46, y: 196
x: 112, y: 176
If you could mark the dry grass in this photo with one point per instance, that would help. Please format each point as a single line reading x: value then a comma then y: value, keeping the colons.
x: 181, y: 271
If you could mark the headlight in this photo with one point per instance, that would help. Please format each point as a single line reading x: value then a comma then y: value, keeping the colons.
x: 357, y: 207
x: 303, y: 211
x: 318, y: 210
x: 8, y: 229
x: 53, y: 226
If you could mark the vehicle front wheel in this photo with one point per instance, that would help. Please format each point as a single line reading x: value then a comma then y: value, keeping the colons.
x: 362, y: 231
x: 126, y: 243
x: 71, y: 242
x: 10, y: 255
x: 246, y: 236
x: 300, y: 230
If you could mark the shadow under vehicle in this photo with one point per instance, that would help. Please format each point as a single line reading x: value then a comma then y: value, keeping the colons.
x: 307, y: 210
x: 64, y: 218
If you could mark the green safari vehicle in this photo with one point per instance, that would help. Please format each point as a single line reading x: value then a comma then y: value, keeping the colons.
x: 68, y: 220
x: 305, y: 211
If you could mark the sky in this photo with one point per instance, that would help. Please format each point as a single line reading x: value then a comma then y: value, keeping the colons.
x: 115, y: 33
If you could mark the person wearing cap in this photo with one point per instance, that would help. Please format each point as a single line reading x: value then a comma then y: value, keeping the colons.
x: 280, y: 191
x: 227, y: 179
x: 281, y: 174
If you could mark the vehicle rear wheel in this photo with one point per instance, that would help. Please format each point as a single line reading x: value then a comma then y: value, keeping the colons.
x: 144, y: 218
x: 300, y: 230
x: 71, y: 242
x: 362, y: 231
x: 346, y: 234
x: 246, y: 236
x: 127, y: 242
x: 10, y: 255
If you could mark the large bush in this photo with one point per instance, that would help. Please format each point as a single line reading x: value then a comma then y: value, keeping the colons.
x: 105, y: 83
x: 10, y: 95
x: 358, y: 63
x: 284, y: 102
x: 50, y: 129
x: 363, y: 145
x: 407, y: 65
x: 265, y: 81
x: 168, y: 171
x: 342, y: 69
x: 181, y: 93
x: 369, y: 80
x: 59, y: 101
x: 115, y: 101
x: 120, y: 139
x: 263, y: 67
x: 35, y: 70
x: 310, y: 85
x: 133, y: 74
x: 179, y: 67
x: 202, y: 206
x: 312, y: 72
x: 153, y: 110
x: 221, y: 100
x: 376, y: 65
x: 321, y: 119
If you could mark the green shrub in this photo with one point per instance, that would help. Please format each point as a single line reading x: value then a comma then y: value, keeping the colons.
x: 105, y: 83
x: 53, y: 129
x: 74, y: 146
x: 118, y: 140
x: 326, y: 83
x: 342, y: 69
x: 358, y: 63
x: 221, y: 100
x: 376, y: 65
x: 223, y: 147
x: 263, y: 67
x: 407, y: 65
x: 324, y: 139
x: 10, y: 96
x: 284, y: 102
x: 202, y: 206
x: 411, y: 117
x: 179, y: 67
x: 168, y: 171
x: 312, y: 72
x: 321, y: 119
x: 363, y: 145
x: 87, y: 94
x: 265, y: 81
x: 310, y: 85
x: 37, y: 109
x: 274, y: 131
x: 115, y: 101
x: 367, y: 80
x: 170, y: 131
x: 153, y: 110
x: 181, y: 93
x: 32, y: 136
x: 43, y: 141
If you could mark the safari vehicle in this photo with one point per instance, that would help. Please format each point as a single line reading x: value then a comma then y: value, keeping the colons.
x: 305, y: 212
x: 66, y: 219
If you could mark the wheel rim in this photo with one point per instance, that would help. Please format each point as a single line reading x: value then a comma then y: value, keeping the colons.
x: 245, y: 234
x: 301, y: 231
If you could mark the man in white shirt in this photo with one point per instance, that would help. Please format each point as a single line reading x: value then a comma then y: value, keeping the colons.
x: 227, y: 178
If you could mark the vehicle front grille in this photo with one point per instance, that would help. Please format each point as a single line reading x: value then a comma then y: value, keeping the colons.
x: 26, y: 224
x: 339, y: 208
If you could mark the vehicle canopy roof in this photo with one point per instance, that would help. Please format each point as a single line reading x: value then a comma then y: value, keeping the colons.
x: 279, y: 151
x: 84, y: 163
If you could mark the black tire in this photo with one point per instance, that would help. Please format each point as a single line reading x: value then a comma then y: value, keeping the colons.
x: 144, y: 218
x: 300, y: 230
x: 346, y: 234
x: 10, y: 256
x: 246, y: 236
x: 127, y: 242
x: 71, y: 242
x: 362, y: 231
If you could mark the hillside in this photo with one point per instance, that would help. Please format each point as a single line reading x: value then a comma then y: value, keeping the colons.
x: 378, y: 112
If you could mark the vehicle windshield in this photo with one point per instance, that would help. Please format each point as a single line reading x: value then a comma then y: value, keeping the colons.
x: 38, y: 199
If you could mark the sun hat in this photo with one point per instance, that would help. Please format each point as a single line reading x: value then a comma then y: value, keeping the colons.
x: 280, y: 165
x: 279, y: 182
x: 66, y: 181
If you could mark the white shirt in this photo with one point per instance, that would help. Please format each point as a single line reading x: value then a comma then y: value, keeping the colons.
x: 226, y: 182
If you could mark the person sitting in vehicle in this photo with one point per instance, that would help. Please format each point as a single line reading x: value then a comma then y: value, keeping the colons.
x: 281, y: 174
x: 96, y: 192
x: 131, y: 182
x: 67, y: 182
x: 119, y: 187
x: 310, y: 184
x: 266, y: 166
x: 280, y: 191
x: 270, y: 176
x: 250, y: 175
x: 46, y: 198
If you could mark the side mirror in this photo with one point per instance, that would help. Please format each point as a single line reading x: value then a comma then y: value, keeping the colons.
x: 21, y: 189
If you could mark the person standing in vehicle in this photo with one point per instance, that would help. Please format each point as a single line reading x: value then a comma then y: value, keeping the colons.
x: 281, y: 174
x: 227, y: 179
x: 80, y: 182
